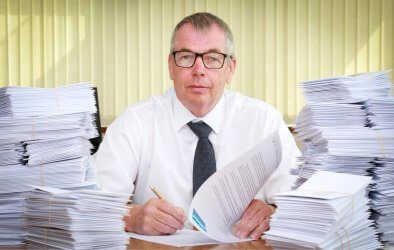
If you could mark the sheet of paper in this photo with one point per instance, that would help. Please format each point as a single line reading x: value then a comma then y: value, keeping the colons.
x: 222, y: 199
x: 181, y: 238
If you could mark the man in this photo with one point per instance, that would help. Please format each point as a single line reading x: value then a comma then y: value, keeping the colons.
x: 155, y: 142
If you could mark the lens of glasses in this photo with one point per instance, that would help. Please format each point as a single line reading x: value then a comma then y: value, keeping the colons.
x: 211, y: 60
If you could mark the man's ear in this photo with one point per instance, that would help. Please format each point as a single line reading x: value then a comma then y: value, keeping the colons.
x: 171, y: 66
x: 231, y: 69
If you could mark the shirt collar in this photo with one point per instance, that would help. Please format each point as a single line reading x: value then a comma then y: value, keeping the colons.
x: 182, y: 115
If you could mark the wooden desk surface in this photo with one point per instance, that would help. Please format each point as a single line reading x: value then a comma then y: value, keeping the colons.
x: 141, y: 244
x: 257, y: 244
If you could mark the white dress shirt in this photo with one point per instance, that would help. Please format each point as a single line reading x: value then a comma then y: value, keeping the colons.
x: 151, y: 144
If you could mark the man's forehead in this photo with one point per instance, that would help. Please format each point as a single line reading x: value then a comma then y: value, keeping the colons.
x: 189, y: 38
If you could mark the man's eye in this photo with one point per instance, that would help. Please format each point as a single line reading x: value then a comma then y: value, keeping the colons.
x: 186, y: 57
x: 212, y: 59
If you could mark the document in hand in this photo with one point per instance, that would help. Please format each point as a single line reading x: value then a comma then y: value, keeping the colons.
x: 222, y: 199
x: 329, y: 211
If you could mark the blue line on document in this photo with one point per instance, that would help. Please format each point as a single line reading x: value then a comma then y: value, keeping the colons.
x: 198, y: 220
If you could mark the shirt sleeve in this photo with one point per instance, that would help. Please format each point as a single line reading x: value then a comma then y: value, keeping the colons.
x: 117, y: 158
x: 281, y: 180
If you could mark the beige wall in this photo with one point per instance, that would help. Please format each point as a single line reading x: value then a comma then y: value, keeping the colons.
x: 122, y: 46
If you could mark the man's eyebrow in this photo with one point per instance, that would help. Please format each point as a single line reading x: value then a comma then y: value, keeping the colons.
x: 207, y: 51
x: 185, y: 50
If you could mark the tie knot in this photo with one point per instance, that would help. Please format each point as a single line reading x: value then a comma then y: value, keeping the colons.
x: 201, y: 129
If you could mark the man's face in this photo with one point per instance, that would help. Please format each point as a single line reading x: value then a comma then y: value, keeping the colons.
x: 199, y: 88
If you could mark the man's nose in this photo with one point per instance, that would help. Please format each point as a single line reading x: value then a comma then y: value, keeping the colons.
x: 198, y: 67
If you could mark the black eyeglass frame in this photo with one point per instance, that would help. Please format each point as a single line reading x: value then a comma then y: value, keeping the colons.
x: 202, y: 58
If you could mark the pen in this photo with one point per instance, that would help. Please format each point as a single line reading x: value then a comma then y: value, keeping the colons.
x: 154, y: 190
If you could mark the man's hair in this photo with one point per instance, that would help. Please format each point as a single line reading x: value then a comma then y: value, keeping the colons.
x: 202, y: 21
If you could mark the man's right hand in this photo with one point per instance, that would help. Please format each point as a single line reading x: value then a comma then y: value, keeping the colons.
x: 155, y: 217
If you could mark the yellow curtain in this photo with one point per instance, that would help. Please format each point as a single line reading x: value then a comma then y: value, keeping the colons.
x: 122, y: 46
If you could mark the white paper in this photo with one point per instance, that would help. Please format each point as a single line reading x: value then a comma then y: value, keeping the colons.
x: 182, y: 238
x: 222, y: 199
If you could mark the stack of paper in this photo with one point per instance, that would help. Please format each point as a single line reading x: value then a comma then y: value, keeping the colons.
x: 44, y: 140
x: 350, y: 141
x: 336, y: 137
x: 347, y: 149
x: 326, y: 114
x: 60, y: 219
x: 67, y: 99
x: 381, y: 112
x: 348, y: 89
x: 55, y: 150
x: 19, y: 178
x: 17, y: 129
x: 381, y: 119
x: 328, y: 133
x: 382, y: 196
x: 308, y: 165
x: 329, y: 211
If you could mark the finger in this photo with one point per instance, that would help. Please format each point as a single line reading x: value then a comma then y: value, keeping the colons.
x: 253, y: 216
x: 255, y: 207
x: 176, y: 212
x: 167, y: 220
x: 248, y: 225
x: 149, y: 229
x: 163, y: 228
x: 260, y: 229
x: 126, y: 220
x: 252, y: 209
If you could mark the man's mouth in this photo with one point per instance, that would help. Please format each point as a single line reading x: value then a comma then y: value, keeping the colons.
x: 197, y: 88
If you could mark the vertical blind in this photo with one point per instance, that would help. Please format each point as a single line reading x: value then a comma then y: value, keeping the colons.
x: 122, y: 46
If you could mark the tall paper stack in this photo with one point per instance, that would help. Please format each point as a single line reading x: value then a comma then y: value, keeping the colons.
x: 348, y: 126
x: 44, y: 140
x: 381, y: 118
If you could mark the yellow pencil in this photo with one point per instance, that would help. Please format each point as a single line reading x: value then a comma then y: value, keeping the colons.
x: 154, y: 190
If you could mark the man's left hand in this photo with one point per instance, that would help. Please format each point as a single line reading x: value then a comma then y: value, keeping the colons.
x: 255, y: 220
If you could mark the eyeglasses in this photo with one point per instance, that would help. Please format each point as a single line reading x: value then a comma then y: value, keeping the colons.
x: 211, y: 60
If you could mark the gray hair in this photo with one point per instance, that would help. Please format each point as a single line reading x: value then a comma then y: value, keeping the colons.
x: 202, y: 21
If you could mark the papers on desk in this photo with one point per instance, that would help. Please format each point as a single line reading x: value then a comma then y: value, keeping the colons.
x: 329, y: 211
x: 351, y: 133
x: 222, y: 199
x: 44, y: 140
x: 87, y: 219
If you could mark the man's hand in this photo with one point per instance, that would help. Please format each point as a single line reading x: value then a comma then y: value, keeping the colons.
x: 155, y: 217
x: 254, y: 221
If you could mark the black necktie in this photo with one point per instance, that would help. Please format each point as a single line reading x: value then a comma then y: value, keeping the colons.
x: 204, y: 164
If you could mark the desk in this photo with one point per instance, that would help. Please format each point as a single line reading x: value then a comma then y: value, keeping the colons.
x: 257, y: 244
x: 141, y: 244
